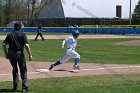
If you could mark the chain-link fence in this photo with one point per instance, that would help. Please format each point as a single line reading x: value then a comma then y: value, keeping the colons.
x: 65, y: 22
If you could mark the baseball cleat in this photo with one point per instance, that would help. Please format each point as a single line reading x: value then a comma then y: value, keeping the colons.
x: 51, y: 67
x: 76, y: 67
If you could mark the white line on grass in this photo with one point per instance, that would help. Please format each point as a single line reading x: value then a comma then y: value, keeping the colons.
x: 105, y: 68
x: 11, y: 74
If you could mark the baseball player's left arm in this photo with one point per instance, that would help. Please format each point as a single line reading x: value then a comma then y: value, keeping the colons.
x: 4, y: 46
x: 27, y: 47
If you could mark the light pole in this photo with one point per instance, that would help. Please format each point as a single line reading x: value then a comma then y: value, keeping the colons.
x: 130, y: 14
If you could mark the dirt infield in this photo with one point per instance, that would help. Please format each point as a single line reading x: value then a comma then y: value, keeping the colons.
x: 64, y: 69
x: 130, y: 43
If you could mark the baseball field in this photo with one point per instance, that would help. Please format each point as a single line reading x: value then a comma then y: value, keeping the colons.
x: 109, y: 64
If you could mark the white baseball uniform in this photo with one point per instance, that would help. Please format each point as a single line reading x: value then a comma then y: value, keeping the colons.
x: 70, y: 52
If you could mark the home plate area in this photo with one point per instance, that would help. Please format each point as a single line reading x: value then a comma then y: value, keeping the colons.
x: 42, y: 70
x: 46, y: 70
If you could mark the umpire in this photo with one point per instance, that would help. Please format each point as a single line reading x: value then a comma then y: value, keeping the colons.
x: 17, y: 40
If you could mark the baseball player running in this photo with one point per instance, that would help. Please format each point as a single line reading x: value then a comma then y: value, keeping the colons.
x: 70, y: 52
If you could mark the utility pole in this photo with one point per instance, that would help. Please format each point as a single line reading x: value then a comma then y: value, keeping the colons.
x: 130, y: 14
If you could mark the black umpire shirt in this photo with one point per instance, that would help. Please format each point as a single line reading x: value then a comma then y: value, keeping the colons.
x: 16, y: 40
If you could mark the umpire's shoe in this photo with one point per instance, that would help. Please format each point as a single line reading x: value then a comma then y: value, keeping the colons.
x: 14, y: 89
x: 25, y: 89
x: 51, y: 67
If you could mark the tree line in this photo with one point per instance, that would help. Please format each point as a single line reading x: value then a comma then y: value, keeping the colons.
x: 17, y: 10
x: 136, y: 14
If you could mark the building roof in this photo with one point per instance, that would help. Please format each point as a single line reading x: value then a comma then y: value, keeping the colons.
x: 88, y: 8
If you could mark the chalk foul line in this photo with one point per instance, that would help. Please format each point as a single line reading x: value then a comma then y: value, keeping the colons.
x: 95, y: 69
x: 106, y: 68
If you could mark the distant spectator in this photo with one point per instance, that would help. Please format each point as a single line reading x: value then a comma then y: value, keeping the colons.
x: 97, y: 26
x: 75, y: 26
x: 4, y: 29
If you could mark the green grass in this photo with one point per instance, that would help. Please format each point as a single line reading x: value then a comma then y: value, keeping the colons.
x: 91, y: 51
x: 129, y: 83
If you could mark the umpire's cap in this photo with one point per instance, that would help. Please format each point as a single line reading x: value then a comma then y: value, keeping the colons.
x: 17, y: 26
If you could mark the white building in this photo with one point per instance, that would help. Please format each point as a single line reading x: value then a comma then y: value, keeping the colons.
x: 86, y: 8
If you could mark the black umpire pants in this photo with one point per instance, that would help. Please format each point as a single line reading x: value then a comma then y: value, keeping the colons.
x: 21, y: 62
x: 40, y: 36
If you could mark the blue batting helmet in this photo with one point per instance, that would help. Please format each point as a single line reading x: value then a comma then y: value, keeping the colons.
x: 75, y: 32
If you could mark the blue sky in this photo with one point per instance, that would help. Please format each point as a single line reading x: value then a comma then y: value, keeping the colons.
x: 97, y: 8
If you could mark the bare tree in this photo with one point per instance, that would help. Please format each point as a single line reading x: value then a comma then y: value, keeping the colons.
x: 35, y: 7
x: 17, y: 10
x: 11, y: 10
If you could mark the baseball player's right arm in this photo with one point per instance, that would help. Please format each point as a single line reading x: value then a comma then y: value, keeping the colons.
x: 4, y: 46
x: 5, y: 50
x: 27, y: 47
